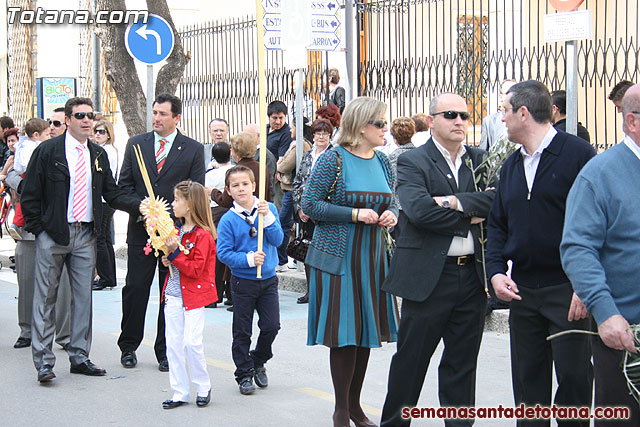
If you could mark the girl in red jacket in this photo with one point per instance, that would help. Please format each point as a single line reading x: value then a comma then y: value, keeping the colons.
x: 189, y: 288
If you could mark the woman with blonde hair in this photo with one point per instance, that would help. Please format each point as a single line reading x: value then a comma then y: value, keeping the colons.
x: 350, y: 196
x: 103, y: 135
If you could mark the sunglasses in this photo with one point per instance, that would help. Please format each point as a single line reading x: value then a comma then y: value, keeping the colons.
x: 452, y: 115
x: 56, y: 123
x: 80, y: 116
x: 100, y: 131
x: 380, y: 124
x: 253, y: 232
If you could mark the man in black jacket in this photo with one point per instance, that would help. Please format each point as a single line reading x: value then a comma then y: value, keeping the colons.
x: 61, y: 201
x: 525, y: 227
x: 559, y: 116
x: 170, y: 157
x: 435, y: 267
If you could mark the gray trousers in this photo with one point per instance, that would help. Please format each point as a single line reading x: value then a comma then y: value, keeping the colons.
x: 79, y: 258
x: 25, y: 269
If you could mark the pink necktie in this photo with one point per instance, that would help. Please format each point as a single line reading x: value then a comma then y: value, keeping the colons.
x: 80, y: 189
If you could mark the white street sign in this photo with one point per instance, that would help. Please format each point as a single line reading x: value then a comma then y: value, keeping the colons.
x: 306, y: 24
x: 567, y: 26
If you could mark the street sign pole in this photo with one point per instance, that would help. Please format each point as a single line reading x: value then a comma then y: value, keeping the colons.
x: 150, y: 97
x: 572, y: 87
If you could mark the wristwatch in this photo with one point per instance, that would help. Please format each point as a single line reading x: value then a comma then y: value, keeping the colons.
x: 446, y: 202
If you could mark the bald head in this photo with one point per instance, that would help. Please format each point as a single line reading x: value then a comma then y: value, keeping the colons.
x: 631, y: 112
x: 445, y: 120
x: 254, y: 130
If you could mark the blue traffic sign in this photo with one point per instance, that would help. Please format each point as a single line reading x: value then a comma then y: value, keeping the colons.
x: 149, y: 43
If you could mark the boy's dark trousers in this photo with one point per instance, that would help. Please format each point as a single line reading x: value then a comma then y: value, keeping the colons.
x: 261, y: 295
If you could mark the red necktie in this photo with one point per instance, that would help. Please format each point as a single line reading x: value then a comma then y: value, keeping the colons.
x: 161, y: 156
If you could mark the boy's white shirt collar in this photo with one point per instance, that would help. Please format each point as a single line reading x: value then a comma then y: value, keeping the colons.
x: 269, y: 219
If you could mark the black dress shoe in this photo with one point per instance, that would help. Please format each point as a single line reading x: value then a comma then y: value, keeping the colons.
x: 230, y: 308
x: 97, y: 286
x: 88, y: 368
x: 170, y: 404
x: 203, y: 400
x: 22, y: 342
x: 45, y: 373
x: 260, y: 375
x: 303, y: 299
x: 246, y: 385
x: 128, y: 359
x: 228, y: 302
x: 212, y: 305
x: 163, y: 365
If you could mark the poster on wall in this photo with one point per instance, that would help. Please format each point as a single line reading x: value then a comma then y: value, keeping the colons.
x: 54, y: 92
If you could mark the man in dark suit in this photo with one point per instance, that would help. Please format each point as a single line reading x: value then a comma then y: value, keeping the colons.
x: 169, y: 157
x: 559, y: 116
x: 436, y: 267
x: 61, y: 201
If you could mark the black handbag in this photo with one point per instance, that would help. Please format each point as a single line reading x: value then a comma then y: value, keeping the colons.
x: 298, y: 247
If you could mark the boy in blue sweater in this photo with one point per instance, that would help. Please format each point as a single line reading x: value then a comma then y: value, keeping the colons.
x: 238, y: 248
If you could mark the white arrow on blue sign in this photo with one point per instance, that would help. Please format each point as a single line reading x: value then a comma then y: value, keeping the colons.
x: 324, y: 23
x: 324, y: 7
x: 149, y: 43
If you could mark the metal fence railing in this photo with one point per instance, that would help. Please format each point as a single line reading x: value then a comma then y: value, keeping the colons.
x: 411, y: 50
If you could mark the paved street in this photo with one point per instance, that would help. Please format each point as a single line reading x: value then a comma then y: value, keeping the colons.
x: 300, y: 390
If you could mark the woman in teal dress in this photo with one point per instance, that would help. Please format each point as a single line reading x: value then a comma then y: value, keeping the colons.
x: 350, y: 196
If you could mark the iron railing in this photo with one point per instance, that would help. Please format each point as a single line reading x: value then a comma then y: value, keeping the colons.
x: 411, y: 50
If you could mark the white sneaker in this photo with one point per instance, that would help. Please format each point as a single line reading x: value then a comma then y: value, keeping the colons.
x: 14, y: 232
x: 282, y: 268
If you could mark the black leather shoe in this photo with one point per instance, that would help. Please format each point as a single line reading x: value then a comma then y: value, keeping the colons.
x: 88, y: 368
x: 228, y: 302
x: 246, y: 385
x: 170, y: 404
x: 129, y: 359
x: 260, y: 375
x: 22, y: 342
x: 96, y: 286
x: 163, y: 365
x: 303, y: 299
x: 230, y: 308
x: 203, y: 400
x: 45, y: 373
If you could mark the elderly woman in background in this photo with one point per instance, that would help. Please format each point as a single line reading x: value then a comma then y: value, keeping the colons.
x: 350, y: 196
x: 105, y: 256
x: 321, y: 130
x: 331, y: 113
x: 286, y: 173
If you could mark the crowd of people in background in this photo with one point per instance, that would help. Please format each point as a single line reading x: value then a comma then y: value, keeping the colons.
x: 362, y: 187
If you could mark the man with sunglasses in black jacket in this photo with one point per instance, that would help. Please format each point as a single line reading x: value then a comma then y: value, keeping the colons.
x: 61, y: 203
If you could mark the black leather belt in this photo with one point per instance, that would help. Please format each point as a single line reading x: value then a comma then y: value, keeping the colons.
x: 459, y: 260
x: 81, y: 224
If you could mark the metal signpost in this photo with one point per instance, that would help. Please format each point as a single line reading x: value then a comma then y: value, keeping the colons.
x: 568, y: 27
x: 150, y: 44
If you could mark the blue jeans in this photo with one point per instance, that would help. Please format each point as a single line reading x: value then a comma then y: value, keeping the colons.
x: 286, y: 220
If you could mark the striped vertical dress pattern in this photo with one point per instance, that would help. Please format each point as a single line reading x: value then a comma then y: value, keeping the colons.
x: 349, y: 308
x: 80, y: 188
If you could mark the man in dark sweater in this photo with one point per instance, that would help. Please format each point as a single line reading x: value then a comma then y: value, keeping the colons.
x: 525, y: 226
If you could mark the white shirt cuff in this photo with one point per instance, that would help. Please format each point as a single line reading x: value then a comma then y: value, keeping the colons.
x: 250, y: 259
x: 459, y: 207
x: 269, y: 219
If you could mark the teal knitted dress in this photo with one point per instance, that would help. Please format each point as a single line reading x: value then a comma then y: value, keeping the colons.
x: 350, y: 309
